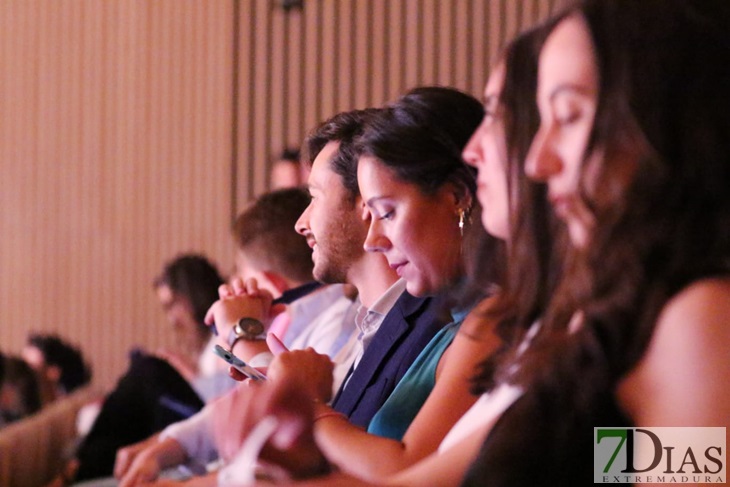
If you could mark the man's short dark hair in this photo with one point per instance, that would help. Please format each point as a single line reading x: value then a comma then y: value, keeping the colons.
x: 344, y: 128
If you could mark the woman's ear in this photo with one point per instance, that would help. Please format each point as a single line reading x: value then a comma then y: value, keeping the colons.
x: 463, y: 199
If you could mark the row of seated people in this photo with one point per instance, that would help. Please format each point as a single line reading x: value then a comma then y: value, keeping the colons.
x: 42, y: 387
x: 598, y: 167
x: 47, y: 368
x: 324, y: 320
x: 163, y: 387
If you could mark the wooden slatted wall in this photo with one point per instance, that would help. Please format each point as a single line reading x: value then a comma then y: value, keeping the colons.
x: 133, y: 130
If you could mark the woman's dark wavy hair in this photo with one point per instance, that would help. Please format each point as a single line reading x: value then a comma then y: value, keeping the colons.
x: 662, y: 114
x: 196, y: 278
x: 533, y: 263
x: 662, y: 110
x: 421, y: 135
x: 343, y: 128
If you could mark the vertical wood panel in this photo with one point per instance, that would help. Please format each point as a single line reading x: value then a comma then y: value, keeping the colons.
x: 444, y: 44
x: 409, y: 24
x: 379, y: 42
x: 107, y: 165
x: 358, y: 12
x: 262, y: 89
x: 294, y: 76
x: 345, y: 91
x: 479, y: 44
x: 327, y: 67
x: 428, y: 56
x: 396, y: 36
x: 278, y: 60
x: 461, y: 52
x: 312, y: 54
x: 244, y: 99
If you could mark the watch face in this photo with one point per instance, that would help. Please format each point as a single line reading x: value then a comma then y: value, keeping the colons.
x: 250, y: 327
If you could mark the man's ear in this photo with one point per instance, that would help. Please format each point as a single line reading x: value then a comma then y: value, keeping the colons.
x: 365, y: 213
x: 53, y: 373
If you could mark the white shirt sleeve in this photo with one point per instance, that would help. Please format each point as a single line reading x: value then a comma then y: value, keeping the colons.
x: 195, y: 436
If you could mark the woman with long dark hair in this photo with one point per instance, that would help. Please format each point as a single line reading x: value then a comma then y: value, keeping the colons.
x: 634, y: 147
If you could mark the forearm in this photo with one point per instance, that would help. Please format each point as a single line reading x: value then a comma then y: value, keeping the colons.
x: 357, y: 452
x: 373, y: 457
x: 337, y: 479
x: 442, y: 469
x: 167, y: 453
x: 207, y: 480
x: 194, y: 435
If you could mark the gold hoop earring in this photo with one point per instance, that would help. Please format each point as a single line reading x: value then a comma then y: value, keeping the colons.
x: 462, y: 221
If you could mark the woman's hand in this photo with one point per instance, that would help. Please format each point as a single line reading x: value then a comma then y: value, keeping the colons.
x: 310, y: 369
x: 291, y: 446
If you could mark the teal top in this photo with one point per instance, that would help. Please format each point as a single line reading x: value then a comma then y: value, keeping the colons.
x: 397, y: 413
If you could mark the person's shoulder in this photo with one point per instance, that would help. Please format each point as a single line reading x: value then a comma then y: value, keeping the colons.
x: 710, y: 287
x: 700, y: 307
x: 695, y: 319
x: 481, y: 322
x: 684, y: 371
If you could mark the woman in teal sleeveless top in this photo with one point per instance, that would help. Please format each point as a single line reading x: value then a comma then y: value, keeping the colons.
x: 398, y: 411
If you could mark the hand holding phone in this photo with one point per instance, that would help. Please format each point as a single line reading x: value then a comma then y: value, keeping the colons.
x: 238, y: 364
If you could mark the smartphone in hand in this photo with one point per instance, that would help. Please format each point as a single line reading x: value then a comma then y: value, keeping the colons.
x: 238, y: 364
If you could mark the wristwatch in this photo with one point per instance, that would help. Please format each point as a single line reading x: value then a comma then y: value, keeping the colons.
x: 246, y: 329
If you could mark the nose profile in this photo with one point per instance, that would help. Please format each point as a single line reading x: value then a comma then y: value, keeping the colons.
x: 471, y: 153
x: 375, y: 241
x: 302, y: 224
x: 542, y: 162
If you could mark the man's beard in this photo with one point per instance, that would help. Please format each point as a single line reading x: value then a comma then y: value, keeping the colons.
x: 338, y: 253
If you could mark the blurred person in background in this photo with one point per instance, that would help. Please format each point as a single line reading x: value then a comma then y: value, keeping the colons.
x: 287, y: 171
x: 159, y: 388
x: 19, y: 390
x: 61, y: 365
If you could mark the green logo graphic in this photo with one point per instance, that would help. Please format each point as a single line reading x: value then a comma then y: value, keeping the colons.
x: 653, y: 455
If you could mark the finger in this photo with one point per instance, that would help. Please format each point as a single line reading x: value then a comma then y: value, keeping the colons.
x: 236, y: 374
x: 121, y: 465
x: 238, y: 286
x: 225, y: 291
x: 291, y: 406
x: 252, y: 286
x: 128, y: 480
x: 209, y: 316
x: 291, y: 427
x: 275, y: 345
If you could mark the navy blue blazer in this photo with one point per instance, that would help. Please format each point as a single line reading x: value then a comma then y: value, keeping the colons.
x: 405, y: 331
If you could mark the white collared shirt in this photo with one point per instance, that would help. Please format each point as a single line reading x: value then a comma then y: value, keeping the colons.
x: 368, y: 321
